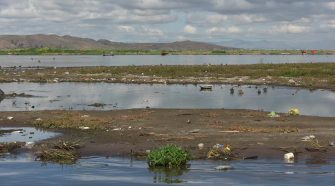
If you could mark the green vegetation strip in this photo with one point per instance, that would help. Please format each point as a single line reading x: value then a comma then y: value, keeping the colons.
x: 309, y: 74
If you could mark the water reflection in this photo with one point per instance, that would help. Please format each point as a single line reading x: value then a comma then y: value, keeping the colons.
x: 124, y: 60
x: 166, y: 175
x: 86, y: 96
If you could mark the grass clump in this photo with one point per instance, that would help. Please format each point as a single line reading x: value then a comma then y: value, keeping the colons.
x: 64, y: 152
x: 170, y: 156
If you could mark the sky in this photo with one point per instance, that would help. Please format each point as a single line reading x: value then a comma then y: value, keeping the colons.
x: 275, y: 24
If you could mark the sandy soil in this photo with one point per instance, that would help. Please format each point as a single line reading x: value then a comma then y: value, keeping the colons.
x: 250, y: 133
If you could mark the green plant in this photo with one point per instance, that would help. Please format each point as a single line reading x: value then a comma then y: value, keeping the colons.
x: 168, y: 156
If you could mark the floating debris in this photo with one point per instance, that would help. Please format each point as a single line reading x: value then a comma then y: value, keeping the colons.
x: 224, y: 167
x: 289, y: 156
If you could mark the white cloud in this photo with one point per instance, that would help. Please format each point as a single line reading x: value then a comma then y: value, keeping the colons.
x: 291, y: 28
x: 125, y: 28
x: 151, y: 31
x: 331, y: 5
x: 190, y: 29
x: 224, y: 30
x: 331, y: 24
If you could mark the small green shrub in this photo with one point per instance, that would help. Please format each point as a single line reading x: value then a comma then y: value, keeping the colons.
x: 168, y: 156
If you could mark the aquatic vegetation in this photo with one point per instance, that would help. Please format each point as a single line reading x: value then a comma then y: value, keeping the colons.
x: 168, y: 156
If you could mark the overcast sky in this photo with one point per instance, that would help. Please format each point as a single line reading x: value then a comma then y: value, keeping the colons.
x: 241, y: 23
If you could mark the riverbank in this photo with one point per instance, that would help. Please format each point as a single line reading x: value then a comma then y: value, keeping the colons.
x: 316, y: 75
x: 133, y: 132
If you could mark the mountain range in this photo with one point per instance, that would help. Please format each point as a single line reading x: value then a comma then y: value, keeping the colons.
x: 77, y: 43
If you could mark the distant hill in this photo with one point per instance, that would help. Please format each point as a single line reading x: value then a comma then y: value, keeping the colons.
x: 70, y: 42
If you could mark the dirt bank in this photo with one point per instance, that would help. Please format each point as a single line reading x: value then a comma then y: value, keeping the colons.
x: 126, y: 132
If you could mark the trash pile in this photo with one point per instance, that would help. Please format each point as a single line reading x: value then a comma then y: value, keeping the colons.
x: 220, y: 151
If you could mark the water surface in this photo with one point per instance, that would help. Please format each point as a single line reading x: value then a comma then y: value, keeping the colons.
x: 78, y: 96
x: 124, y: 60
x: 20, y: 170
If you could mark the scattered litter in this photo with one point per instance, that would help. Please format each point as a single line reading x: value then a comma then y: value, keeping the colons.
x: 273, y: 115
x: 291, y: 81
x: 38, y: 119
x: 67, y: 73
x: 85, y: 116
x: 10, y: 117
x: 224, y: 167
x: 116, y: 129
x: 188, y: 121
x: 331, y: 144
x: 308, y: 138
x: 230, y: 131
x: 84, y: 128
x: 147, y: 151
x: 129, y: 127
x: 29, y: 144
x: 289, y: 156
x: 294, y: 112
x: 195, y: 131
x: 201, y: 146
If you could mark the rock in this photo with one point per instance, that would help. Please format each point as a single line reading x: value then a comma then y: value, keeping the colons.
x: 2, y: 94
x: 289, y: 156
x: 224, y: 167
x: 195, y: 131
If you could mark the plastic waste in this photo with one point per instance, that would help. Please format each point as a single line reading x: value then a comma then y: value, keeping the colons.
x: 273, y: 115
x: 294, y: 112
x: 289, y: 156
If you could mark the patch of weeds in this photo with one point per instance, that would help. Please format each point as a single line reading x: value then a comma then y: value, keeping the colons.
x: 9, y: 147
x: 62, y: 153
x: 58, y: 156
x: 168, y: 156
x: 72, y: 120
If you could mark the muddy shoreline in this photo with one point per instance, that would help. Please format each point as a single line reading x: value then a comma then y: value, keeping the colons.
x: 133, y: 132
x: 306, y: 75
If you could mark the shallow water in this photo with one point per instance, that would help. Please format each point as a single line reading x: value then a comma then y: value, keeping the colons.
x: 20, y: 170
x: 78, y: 96
x: 124, y: 60
x: 25, y: 134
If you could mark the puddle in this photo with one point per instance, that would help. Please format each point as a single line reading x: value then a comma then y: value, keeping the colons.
x: 87, y: 96
x: 24, y: 134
